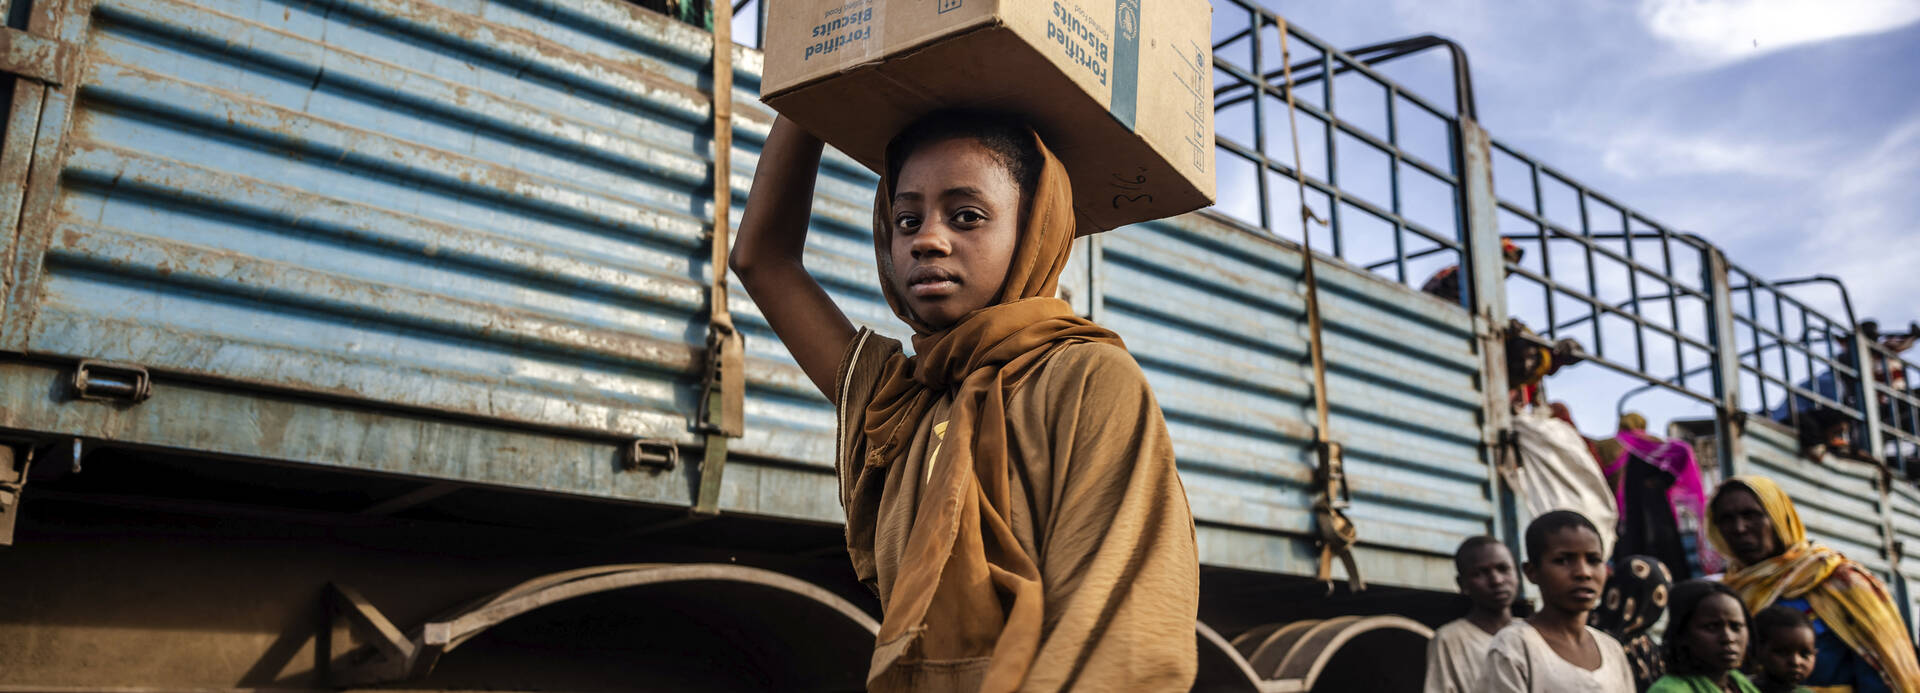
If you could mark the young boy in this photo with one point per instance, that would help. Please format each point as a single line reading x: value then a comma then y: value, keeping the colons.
x: 1783, y: 650
x: 1485, y: 574
x: 1010, y: 488
x: 1555, y: 649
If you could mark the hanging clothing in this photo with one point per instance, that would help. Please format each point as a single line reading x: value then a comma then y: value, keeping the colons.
x: 1634, y: 599
x: 1700, y: 684
x: 1555, y: 472
x: 1562, y: 412
x: 1520, y: 661
x: 1010, y: 490
x: 1454, y: 656
x: 1610, y: 450
x: 1611, y: 465
x: 1842, y: 594
x: 1661, y: 494
x: 1648, y: 525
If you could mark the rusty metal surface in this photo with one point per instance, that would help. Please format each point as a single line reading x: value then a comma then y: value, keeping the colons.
x: 16, y: 151
x: 490, y: 211
x: 35, y: 57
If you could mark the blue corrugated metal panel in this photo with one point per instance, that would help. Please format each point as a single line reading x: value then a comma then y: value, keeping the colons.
x: 1837, y: 500
x: 494, y: 210
x: 1215, y: 315
x: 1905, y: 502
x: 497, y: 210
x: 379, y: 201
x: 489, y: 209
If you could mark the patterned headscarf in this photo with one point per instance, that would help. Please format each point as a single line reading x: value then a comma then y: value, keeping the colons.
x: 1843, y: 593
x: 1635, y: 597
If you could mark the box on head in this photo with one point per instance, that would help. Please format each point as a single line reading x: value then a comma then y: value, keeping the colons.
x: 1122, y: 90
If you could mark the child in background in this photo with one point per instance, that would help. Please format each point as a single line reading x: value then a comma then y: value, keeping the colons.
x: 1706, y: 641
x: 1486, y: 577
x: 1783, y: 650
x: 1555, y: 650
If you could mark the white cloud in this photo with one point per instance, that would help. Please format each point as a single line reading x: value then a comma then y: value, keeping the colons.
x: 1653, y: 152
x: 1865, y: 230
x: 1722, y: 30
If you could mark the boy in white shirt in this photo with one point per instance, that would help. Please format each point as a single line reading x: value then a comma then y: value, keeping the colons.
x: 1555, y: 650
x: 1486, y: 575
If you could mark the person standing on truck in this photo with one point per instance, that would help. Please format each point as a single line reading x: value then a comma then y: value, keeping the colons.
x: 1859, y: 637
x: 1555, y: 650
x: 1009, y: 489
x: 1484, y: 572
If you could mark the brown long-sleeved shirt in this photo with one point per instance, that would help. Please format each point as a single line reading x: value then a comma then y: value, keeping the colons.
x: 1096, y: 502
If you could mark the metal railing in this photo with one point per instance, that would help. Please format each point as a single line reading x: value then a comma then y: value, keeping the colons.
x: 1801, y: 361
x: 1894, y: 380
x: 1384, y: 168
x: 1603, y: 270
x: 1652, y: 303
x: 1364, y: 172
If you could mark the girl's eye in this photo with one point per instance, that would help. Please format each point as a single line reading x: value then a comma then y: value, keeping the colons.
x: 907, y: 221
x: 968, y: 216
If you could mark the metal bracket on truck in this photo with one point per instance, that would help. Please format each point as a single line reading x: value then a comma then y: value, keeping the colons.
x: 657, y: 454
x: 103, y: 381
x: 36, y: 57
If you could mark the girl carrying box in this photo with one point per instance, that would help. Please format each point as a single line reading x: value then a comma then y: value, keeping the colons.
x: 1010, y: 488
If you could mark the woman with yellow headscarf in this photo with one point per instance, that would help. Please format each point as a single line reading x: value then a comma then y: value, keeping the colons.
x: 1009, y: 489
x: 1861, y: 642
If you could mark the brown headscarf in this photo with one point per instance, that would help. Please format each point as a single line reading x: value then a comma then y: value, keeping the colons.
x: 961, y: 551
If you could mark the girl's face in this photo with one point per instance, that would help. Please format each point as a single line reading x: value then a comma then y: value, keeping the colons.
x: 1570, y: 570
x: 1788, y: 654
x: 956, y: 222
x: 1716, y: 637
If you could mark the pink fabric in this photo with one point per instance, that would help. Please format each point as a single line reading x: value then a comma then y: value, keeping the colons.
x: 1688, y: 491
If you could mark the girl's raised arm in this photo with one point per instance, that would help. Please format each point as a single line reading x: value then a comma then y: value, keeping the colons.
x: 767, y: 255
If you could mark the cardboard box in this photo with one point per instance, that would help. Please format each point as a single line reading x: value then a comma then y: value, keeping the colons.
x: 1121, y: 90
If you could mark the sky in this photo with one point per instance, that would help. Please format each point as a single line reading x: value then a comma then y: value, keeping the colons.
x: 1785, y: 132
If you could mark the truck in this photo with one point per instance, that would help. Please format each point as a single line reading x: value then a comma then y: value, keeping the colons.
x: 366, y: 343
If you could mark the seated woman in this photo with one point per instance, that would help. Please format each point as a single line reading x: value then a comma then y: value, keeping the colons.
x: 1860, y: 639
